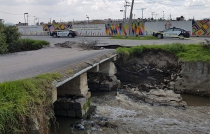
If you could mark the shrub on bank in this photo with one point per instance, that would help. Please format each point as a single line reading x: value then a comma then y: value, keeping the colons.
x: 26, y: 45
x: 10, y: 41
x: 23, y: 101
x: 191, y: 52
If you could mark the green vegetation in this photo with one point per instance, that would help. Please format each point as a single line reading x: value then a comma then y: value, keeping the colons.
x: 26, y: 45
x: 135, y: 37
x: 10, y: 41
x: 24, y: 100
x: 191, y: 52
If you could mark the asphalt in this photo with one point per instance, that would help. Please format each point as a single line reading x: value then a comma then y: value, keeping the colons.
x: 31, y: 63
x: 106, y: 41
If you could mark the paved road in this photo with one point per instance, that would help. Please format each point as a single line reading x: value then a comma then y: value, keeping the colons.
x: 28, y: 64
x: 104, y: 41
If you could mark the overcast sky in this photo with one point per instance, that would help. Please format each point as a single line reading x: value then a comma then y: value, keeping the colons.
x: 68, y: 10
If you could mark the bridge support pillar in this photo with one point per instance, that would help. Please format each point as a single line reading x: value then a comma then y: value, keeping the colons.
x: 73, y: 98
x: 77, y: 86
x: 104, y: 79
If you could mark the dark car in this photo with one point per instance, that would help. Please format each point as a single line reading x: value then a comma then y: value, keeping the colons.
x: 173, y: 32
x: 65, y: 33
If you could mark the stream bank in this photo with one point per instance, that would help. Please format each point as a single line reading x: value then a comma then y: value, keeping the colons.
x: 146, y: 102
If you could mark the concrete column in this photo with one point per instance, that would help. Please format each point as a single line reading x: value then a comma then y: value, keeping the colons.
x: 77, y: 86
x: 108, y: 68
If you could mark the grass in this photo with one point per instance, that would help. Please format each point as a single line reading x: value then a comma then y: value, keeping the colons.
x: 25, y: 100
x: 191, y: 52
x: 135, y: 37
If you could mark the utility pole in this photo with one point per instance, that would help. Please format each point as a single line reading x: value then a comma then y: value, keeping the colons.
x: 143, y: 13
x: 126, y: 5
x: 153, y: 14
x: 130, y: 20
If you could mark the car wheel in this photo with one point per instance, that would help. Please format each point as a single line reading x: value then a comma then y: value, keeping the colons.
x: 181, y: 37
x: 160, y: 36
x: 54, y: 35
x: 70, y: 36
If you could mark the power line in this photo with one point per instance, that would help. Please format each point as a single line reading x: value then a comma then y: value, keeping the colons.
x: 10, y: 13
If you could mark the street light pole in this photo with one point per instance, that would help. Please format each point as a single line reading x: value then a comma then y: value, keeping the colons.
x: 123, y: 15
x: 126, y: 7
x: 163, y: 15
x: 25, y: 17
x: 88, y: 19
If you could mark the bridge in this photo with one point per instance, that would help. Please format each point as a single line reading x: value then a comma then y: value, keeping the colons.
x: 73, y: 64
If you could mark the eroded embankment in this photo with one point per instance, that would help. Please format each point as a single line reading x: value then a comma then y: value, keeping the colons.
x: 158, y: 77
x: 175, y: 67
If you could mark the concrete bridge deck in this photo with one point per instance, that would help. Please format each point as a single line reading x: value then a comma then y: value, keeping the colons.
x: 31, y: 63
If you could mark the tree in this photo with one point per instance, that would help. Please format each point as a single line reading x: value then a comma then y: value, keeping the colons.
x: 3, y: 44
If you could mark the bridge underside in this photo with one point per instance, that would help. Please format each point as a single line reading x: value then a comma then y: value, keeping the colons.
x: 74, y: 97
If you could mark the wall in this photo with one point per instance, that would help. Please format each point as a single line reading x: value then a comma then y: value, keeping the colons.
x: 31, y: 30
x: 195, y: 78
x: 151, y: 27
x: 201, y: 27
x: 90, y: 29
x: 53, y: 27
x: 118, y: 29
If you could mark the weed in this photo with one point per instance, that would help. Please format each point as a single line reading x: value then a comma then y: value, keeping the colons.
x: 135, y: 37
x: 24, y: 100
x: 191, y: 52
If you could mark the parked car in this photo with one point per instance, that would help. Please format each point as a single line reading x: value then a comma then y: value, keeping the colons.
x: 172, y: 32
x: 65, y: 33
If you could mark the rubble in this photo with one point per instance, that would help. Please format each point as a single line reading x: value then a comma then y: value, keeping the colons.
x: 84, y: 45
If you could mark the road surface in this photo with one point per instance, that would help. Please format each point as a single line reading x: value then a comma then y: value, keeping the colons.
x: 31, y: 63
x: 105, y: 41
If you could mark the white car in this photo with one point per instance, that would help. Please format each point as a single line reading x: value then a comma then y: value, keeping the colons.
x: 172, y: 32
x: 64, y: 33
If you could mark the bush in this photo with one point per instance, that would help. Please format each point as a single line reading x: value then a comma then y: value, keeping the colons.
x: 3, y: 44
x: 26, y: 45
x: 11, y: 33
x: 10, y: 41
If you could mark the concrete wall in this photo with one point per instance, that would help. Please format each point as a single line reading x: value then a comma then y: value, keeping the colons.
x: 32, y: 30
x: 151, y: 27
x: 195, y: 78
x: 200, y: 28
x: 90, y: 29
x: 121, y: 29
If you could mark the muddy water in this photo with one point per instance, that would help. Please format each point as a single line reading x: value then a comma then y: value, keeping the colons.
x: 196, y: 100
x: 140, y: 118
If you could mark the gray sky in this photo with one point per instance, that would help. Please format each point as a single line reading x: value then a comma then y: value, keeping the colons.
x: 67, y: 10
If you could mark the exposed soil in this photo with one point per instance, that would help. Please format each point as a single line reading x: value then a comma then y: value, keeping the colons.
x: 83, y: 45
